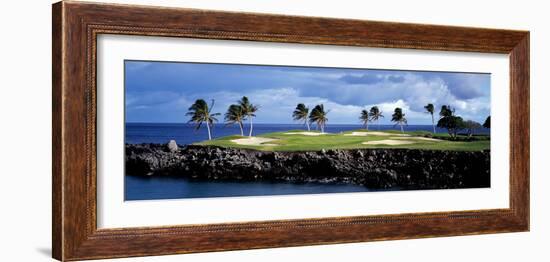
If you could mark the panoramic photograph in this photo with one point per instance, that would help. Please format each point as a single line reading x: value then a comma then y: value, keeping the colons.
x: 199, y: 130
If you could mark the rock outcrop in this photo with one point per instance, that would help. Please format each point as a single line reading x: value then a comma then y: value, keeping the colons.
x: 373, y: 168
x: 172, y: 146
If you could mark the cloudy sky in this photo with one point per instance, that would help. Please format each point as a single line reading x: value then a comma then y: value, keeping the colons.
x: 163, y: 91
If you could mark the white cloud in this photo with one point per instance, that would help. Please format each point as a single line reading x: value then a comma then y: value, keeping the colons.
x: 277, y: 104
x: 277, y: 91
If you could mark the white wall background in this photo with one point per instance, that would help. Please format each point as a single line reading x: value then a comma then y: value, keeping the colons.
x: 25, y: 130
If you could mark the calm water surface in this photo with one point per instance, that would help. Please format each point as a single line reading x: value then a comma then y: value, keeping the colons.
x: 147, y: 188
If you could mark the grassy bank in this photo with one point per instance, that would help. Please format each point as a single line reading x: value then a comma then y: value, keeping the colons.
x: 298, y: 140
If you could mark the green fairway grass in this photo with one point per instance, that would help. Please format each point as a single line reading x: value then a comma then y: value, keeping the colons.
x: 300, y: 142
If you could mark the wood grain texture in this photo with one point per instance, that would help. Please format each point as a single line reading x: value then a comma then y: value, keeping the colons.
x: 519, y: 129
x: 76, y: 26
x: 57, y: 195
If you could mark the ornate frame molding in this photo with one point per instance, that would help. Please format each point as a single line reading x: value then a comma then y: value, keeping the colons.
x: 76, y: 26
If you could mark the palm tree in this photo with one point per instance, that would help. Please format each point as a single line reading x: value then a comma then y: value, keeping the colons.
x: 375, y: 114
x: 319, y: 116
x: 365, y: 118
x: 248, y: 111
x: 430, y: 109
x: 399, y: 118
x: 200, y: 113
x: 301, y: 113
x: 234, y: 115
x: 450, y: 121
x: 446, y: 110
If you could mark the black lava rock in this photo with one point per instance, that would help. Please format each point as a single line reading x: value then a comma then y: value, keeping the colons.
x: 373, y: 168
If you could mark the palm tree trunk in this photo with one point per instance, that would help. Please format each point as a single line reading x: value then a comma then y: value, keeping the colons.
x: 433, y: 125
x: 241, y: 127
x: 322, y: 128
x: 307, y: 124
x: 208, y: 128
x: 401, y: 125
x: 250, y: 134
x: 367, y: 125
x: 378, y: 124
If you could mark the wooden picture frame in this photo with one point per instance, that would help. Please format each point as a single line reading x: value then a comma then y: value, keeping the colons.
x: 76, y: 26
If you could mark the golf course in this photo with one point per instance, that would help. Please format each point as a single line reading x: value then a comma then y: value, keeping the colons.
x: 220, y: 130
x: 300, y: 140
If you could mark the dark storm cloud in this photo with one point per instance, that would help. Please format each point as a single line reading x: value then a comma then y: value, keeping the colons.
x: 396, y: 79
x: 463, y: 85
x: 366, y: 79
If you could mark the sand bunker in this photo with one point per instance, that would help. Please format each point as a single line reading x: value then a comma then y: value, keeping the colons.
x: 254, y: 141
x: 375, y: 133
x: 305, y: 133
x: 357, y: 134
x: 418, y: 138
x: 389, y: 142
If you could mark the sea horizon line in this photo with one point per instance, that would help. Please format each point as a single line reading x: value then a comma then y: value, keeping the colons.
x: 298, y: 124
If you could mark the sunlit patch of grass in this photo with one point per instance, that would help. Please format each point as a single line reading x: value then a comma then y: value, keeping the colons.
x: 300, y: 142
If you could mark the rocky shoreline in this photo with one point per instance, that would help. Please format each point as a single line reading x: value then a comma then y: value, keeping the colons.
x: 373, y: 168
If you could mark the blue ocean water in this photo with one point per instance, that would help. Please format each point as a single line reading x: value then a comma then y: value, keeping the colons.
x: 148, y: 188
x: 186, y: 133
